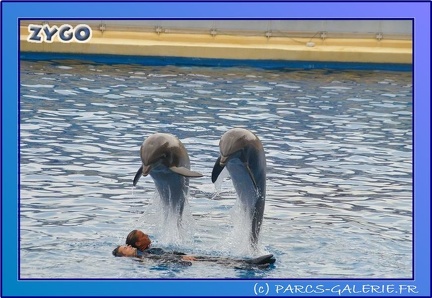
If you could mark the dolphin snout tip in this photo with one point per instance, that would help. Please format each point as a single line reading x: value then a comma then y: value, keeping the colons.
x: 146, y: 170
x: 223, y: 160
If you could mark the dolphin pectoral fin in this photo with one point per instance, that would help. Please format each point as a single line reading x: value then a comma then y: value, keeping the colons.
x: 217, y: 169
x: 138, y: 175
x: 185, y: 172
x: 251, y: 176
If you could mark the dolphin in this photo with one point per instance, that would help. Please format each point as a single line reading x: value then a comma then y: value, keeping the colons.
x: 166, y: 160
x: 242, y: 153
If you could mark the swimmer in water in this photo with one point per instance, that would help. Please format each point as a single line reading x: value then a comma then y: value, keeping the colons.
x: 138, y: 245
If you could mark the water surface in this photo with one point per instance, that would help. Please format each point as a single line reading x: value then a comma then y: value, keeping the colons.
x: 339, y: 168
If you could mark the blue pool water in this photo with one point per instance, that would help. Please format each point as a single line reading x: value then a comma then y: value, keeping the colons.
x: 339, y: 168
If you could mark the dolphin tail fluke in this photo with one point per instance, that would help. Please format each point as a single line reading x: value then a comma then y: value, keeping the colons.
x: 185, y: 172
x: 217, y: 169
x: 138, y: 176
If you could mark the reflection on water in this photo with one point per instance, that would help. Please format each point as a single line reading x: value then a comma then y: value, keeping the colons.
x: 339, y: 167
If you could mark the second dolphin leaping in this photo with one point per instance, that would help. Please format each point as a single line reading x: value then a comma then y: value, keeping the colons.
x: 242, y: 153
x: 166, y: 160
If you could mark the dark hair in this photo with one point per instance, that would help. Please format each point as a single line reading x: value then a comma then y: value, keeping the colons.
x: 115, y: 252
x: 132, y: 238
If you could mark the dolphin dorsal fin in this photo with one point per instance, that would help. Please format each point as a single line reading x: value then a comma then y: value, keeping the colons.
x: 185, y: 172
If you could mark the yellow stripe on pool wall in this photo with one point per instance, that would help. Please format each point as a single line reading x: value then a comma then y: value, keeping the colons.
x: 220, y: 46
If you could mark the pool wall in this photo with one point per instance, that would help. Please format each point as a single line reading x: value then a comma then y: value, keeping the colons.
x: 365, y: 45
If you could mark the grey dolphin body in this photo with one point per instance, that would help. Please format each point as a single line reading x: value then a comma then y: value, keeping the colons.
x: 166, y: 160
x: 243, y: 155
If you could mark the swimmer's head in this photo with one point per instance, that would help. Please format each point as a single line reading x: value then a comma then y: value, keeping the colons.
x: 138, y: 239
x: 124, y: 251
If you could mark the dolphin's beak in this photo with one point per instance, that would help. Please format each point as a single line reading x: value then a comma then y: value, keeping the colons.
x: 142, y: 171
x: 223, y: 160
x: 146, y: 170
